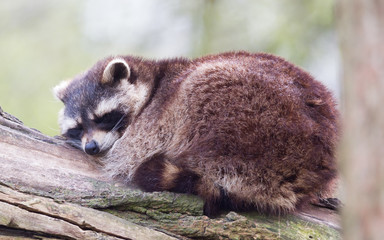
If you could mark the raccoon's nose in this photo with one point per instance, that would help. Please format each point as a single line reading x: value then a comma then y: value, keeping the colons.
x: 92, y: 148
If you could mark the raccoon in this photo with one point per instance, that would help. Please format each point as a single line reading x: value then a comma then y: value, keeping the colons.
x: 241, y: 130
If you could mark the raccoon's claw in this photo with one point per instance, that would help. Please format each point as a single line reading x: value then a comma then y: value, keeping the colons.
x: 330, y: 203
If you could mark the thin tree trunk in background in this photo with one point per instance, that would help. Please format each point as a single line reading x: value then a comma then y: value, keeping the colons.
x: 208, y: 18
x: 361, y: 30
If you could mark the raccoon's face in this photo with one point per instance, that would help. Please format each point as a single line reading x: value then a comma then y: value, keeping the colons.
x: 99, y: 105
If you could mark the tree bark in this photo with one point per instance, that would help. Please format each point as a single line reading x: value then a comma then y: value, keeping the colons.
x: 50, y: 190
x: 361, y: 31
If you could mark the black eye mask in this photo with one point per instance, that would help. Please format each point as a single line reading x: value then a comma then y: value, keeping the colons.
x: 75, y: 133
x: 112, y: 120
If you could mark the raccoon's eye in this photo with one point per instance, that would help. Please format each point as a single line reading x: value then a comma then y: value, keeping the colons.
x: 75, y: 133
x: 109, y: 120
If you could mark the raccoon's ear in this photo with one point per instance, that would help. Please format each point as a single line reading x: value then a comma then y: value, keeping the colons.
x: 116, y: 70
x: 59, y: 90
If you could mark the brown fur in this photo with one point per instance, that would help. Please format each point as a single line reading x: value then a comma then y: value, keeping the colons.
x: 241, y: 130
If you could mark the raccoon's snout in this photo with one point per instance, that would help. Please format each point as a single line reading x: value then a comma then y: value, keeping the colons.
x: 92, y: 148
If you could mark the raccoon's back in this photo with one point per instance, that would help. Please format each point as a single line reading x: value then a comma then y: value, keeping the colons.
x: 250, y: 103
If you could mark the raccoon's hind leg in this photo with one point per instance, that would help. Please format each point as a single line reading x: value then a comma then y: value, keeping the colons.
x: 215, y: 197
x: 159, y: 174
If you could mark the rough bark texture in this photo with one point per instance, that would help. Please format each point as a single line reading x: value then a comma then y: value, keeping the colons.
x: 361, y: 30
x: 51, y: 190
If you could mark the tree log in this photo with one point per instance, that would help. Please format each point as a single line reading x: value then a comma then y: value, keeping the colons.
x: 51, y: 190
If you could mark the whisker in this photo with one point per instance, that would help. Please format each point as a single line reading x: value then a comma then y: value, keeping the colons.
x: 118, y: 122
x: 109, y: 135
x: 107, y: 140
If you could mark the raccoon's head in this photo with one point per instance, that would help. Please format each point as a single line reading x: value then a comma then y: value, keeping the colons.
x: 100, y: 104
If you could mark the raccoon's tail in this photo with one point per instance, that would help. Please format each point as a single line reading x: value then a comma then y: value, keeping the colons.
x: 159, y: 174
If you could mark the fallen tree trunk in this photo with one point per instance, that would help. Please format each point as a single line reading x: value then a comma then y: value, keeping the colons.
x: 49, y: 189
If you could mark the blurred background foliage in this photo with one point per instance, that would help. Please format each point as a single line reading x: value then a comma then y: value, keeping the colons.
x: 43, y: 42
